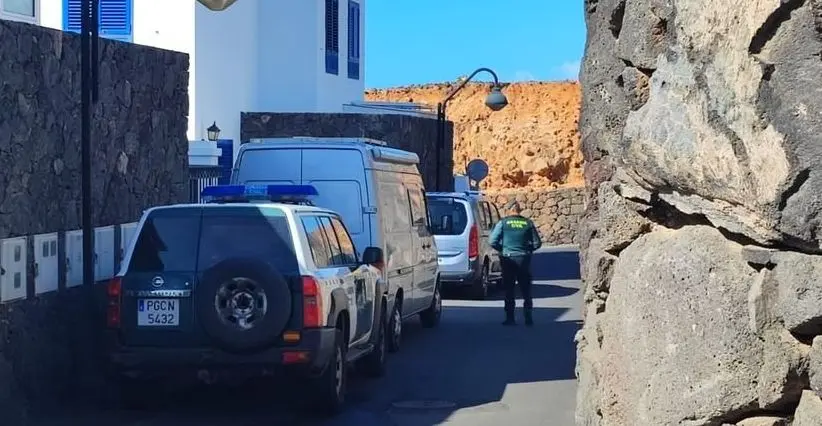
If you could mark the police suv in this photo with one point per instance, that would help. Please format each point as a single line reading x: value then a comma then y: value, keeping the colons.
x: 253, y: 281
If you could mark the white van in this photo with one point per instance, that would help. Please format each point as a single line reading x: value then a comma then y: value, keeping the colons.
x: 379, y: 193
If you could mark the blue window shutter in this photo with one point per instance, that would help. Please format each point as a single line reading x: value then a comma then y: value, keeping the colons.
x: 115, y: 18
x: 354, y: 39
x: 71, y: 15
x: 332, y: 36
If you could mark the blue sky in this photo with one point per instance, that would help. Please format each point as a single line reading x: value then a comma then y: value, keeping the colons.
x: 425, y: 41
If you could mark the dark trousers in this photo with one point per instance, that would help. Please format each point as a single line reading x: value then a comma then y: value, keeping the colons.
x: 517, y: 269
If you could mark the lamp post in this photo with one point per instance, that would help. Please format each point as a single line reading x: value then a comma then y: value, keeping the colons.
x: 495, y: 100
x: 89, y: 90
x: 89, y: 65
x: 213, y: 132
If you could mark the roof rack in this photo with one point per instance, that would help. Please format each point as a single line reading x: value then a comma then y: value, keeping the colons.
x: 321, y: 139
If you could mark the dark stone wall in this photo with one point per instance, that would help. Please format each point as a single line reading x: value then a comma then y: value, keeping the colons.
x: 415, y: 134
x: 50, y: 343
x: 139, y: 145
x: 555, y: 212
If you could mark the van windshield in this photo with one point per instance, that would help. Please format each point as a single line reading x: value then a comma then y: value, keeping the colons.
x: 448, y: 215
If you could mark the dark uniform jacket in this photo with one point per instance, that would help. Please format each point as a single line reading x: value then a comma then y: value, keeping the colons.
x: 515, y: 236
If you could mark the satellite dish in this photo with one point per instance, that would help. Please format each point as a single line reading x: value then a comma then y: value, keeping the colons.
x: 477, y: 170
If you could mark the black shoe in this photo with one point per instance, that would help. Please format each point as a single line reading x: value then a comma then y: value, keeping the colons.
x: 509, y: 322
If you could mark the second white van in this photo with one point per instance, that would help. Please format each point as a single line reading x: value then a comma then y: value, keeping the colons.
x: 380, y: 195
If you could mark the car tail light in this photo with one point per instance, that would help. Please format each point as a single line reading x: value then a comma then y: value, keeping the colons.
x: 114, y: 292
x: 473, y: 242
x: 312, y: 303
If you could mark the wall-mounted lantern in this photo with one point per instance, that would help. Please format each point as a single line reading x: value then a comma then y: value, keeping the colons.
x: 213, y: 132
x: 217, y: 5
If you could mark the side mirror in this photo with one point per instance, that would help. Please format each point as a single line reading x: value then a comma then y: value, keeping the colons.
x: 373, y: 256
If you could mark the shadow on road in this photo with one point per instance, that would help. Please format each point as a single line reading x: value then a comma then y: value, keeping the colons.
x: 474, y: 363
x: 540, y: 291
x: 556, y: 265
x: 469, y: 363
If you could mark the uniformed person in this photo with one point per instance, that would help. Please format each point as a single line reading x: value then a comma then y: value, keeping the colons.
x: 516, y: 238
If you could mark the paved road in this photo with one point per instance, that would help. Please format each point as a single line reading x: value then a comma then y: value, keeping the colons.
x: 468, y: 371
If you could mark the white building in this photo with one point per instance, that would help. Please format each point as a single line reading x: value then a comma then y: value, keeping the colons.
x: 257, y: 55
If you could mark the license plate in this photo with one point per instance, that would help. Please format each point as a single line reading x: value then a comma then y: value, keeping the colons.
x: 158, y: 312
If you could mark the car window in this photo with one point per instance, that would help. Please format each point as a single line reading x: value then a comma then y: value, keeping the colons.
x: 482, y: 219
x: 230, y: 233
x: 167, y: 242
x: 479, y: 218
x: 486, y: 211
x: 336, y: 252
x: 394, y: 201
x: 494, y: 214
x: 317, y: 241
x: 441, y: 208
x: 348, y: 253
x: 418, y: 213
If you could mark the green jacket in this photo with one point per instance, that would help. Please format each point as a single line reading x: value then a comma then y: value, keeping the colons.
x: 515, y: 236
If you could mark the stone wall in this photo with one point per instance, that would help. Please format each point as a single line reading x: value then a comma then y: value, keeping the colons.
x: 405, y: 132
x: 139, y: 159
x: 556, y: 213
x: 701, y: 129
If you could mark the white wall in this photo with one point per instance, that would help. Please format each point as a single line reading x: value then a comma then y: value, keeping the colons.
x: 169, y: 24
x: 257, y: 55
x: 226, y: 64
x: 51, y: 14
x: 287, y: 70
x: 335, y: 90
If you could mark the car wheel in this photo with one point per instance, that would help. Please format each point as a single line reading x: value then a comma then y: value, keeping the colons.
x: 482, y: 284
x: 373, y: 364
x: 329, y: 387
x: 431, y: 317
x: 395, y: 327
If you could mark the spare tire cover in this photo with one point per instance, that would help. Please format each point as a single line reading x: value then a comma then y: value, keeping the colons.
x: 243, y: 304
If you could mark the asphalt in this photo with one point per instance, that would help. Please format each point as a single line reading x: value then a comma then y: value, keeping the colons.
x: 470, y: 370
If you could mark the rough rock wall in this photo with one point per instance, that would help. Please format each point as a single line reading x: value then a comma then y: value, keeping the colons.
x: 701, y: 128
x: 556, y: 213
x: 413, y: 134
x: 533, y: 142
x: 139, y: 159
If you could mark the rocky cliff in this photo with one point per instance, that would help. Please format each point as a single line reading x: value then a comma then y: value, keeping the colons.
x: 701, y: 130
x: 533, y: 142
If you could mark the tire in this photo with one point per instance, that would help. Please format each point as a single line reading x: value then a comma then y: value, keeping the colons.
x: 373, y: 364
x: 480, y: 289
x: 430, y: 317
x: 244, y: 281
x: 395, y: 328
x: 328, y: 388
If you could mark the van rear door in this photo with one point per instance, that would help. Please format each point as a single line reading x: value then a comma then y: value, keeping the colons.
x: 268, y: 166
x: 339, y: 176
x: 158, y: 285
x: 337, y: 173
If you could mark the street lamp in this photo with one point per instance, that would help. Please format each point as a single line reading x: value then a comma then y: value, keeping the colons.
x: 213, y: 132
x: 217, y: 5
x: 495, y: 101
x: 89, y: 92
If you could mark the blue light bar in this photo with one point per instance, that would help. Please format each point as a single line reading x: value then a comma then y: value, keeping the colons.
x: 245, y: 193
